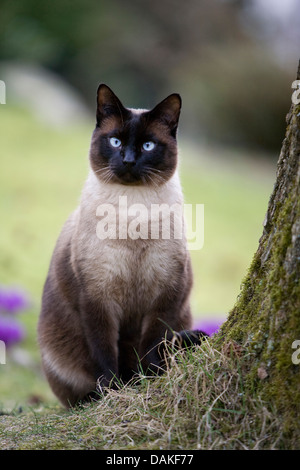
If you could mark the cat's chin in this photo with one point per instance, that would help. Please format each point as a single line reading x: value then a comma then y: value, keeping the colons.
x: 130, y: 183
x: 129, y: 178
x: 124, y: 179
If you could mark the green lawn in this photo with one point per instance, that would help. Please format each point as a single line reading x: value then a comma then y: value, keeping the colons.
x: 42, y: 172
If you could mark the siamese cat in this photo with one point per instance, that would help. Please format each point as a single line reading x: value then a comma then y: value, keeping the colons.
x: 110, y: 300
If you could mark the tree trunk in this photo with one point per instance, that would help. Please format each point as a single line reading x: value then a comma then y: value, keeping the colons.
x: 266, y: 317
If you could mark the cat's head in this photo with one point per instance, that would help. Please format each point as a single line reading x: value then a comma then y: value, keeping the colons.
x: 134, y: 146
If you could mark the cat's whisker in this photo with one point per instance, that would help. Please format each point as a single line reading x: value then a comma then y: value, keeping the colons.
x: 106, y: 174
x: 152, y: 180
x: 153, y: 177
x: 144, y: 180
x: 102, y: 169
x: 147, y: 174
x: 155, y: 170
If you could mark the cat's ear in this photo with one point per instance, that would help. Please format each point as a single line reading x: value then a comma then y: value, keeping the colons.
x: 108, y: 104
x: 168, y: 111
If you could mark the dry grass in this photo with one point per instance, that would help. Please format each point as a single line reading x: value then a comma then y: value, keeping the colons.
x: 199, y: 403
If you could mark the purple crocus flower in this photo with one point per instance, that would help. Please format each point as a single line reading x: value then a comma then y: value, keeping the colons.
x: 13, y: 300
x: 11, y: 331
x: 209, y: 325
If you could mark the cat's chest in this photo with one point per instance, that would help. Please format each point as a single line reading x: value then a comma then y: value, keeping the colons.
x: 126, y: 272
x: 118, y: 265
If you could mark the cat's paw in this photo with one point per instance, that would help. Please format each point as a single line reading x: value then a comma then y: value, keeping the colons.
x: 187, y: 338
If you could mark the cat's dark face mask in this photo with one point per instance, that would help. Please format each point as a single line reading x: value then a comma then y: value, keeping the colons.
x: 134, y: 146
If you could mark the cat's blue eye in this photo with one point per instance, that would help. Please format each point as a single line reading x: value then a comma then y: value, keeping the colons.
x: 148, y: 146
x: 114, y: 142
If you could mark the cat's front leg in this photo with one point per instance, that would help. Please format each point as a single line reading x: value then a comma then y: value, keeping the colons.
x: 101, y: 330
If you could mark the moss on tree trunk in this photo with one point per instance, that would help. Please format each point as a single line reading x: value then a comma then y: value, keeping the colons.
x: 266, y: 317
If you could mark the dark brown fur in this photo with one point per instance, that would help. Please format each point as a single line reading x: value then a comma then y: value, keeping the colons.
x: 107, y: 305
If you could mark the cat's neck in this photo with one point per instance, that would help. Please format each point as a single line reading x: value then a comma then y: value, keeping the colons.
x: 97, y: 192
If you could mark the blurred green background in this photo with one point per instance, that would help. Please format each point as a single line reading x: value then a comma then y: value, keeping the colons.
x: 233, y: 63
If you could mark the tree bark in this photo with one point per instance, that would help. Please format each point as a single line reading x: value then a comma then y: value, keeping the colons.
x: 266, y: 317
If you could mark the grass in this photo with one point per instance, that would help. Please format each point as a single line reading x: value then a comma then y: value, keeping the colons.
x: 42, y: 173
x: 199, y: 403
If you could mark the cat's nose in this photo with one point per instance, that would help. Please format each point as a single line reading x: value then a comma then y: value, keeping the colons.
x: 129, y: 159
